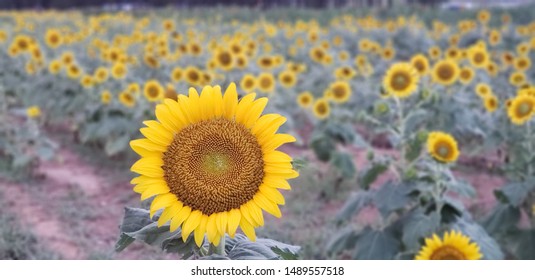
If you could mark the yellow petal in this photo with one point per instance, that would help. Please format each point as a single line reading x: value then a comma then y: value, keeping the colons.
x: 169, y: 212
x: 176, y: 111
x: 180, y: 217
x: 146, y: 145
x: 234, y: 217
x: 246, y: 214
x: 222, y: 222
x: 256, y: 213
x: 149, y: 166
x: 217, y: 100
x: 276, y: 141
x: 205, y: 101
x: 243, y: 108
x: 163, y: 114
x: 276, y: 182
x: 211, y: 228
x: 200, y: 231
x: 162, y: 201
x: 255, y: 111
x: 230, y: 101
x: 266, y: 204
x: 157, y: 133
x: 277, y: 156
x: 190, y: 224
x: 272, y: 194
x: 194, y: 105
x: 248, y: 229
x: 155, y: 189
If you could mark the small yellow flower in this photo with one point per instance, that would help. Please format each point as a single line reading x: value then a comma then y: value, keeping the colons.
x: 442, y: 147
x: 454, y: 246
x: 33, y: 112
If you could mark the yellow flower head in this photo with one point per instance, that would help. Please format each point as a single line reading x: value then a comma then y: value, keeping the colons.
x: 401, y: 80
x: 340, y: 91
x: 265, y: 82
x: 248, y: 83
x: 454, y: 246
x: 33, y: 112
x: 521, y: 109
x: 442, y: 147
x: 321, y: 108
x: 153, y: 91
x: 210, y: 162
x: 445, y: 72
x: 305, y: 99
x: 287, y: 79
x: 421, y: 64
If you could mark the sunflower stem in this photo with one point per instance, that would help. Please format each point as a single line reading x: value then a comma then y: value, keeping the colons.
x: 220, y: 249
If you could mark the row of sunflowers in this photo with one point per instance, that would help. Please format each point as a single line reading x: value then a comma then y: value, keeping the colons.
x: 434, y: 92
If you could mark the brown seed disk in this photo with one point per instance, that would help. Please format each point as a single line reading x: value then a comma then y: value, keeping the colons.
x: 214, y: 166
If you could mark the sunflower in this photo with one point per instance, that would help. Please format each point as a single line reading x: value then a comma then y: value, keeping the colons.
x: 151, y: 61
x: 153, y: 91
x: 119, y: 71
x: 265, y: 82
x: 522, y: 63
x: 242, y: 61
x: 193, y: 75
x: 421, y: 64
x: 305, y: 99
x: 127, y: 99
x: 211, y: 163
x: 287, y: 79
x: 170, y: 92
x: 491, y: 103
x: 401, y: 79
x: 454, y: 246
x: 483, y: 90
x: 445, y: 72
x: 340, y: 91
x: 101, y: 74
x: 176, y: 74
x: 442, y: 147
x: 317, y: 54
x: 87, y: 81
x: 388, y: 53
x: 73, y: 71
x: 265, y: 62
x: 248, y: 83
x: 67, y: 58
x: 344, y: 73
x: 105, y: 97
x: 22, y: 42
x: 33, y: 112
x: 434, y: 52
x: 521, y: 109
x: 54, y: 67
x: 321, y: 108
x: 478, y: 57
x: 53, y: 38
x: 517, y: 78
x: 466, y: 74
x: 224, y: 59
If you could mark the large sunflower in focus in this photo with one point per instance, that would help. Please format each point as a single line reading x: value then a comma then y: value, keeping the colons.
x: 401, y: 80
x: 211, y: 163
x: 454, y: 246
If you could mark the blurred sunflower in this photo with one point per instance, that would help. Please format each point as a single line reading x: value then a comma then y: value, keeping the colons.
x: 445, y: 72
x: 224, y: 59
x: 321, y: 108
x: 517, y: 79
x: 420, y: 63
x: 248, y: 83
x: 265, y: 82
x: 454, y: 246
x: 466, y: 74
x: 153, y: 91
x: 478, y: 57
x: 442, y: 147
x: 340, y: 91
x: 193, y: 75
x: 491, y: 103
x: 521, y: 109
x: 176, y: 74
x: 54, y: 67
x: 105, y: 97
x: 127, y: 99
x: 287, y: 79
x: 483, y: 90
x: 522, y: 63
x: 401, y: 79
x: 213, y: 168
x: 119, y: 71
x: 53, y: 38
x: 33, y: 112
x: 305, y: 99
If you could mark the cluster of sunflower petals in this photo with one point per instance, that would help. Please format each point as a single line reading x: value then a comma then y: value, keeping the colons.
x: 160, y: 179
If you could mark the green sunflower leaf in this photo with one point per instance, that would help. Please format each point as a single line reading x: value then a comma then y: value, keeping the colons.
x: 376, y: 245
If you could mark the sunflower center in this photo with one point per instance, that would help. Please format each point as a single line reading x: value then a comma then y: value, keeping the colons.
x: 443, y: 150
x: 321, y: 108
x: 447, y: 253
x: 479, y: 58
x: 153, y: 91
x: 445, y: 72
x: 265, y: 83
x: 524, y: 109
x: 400, y: 81
x: 225, y: 58
x: 214, y: 165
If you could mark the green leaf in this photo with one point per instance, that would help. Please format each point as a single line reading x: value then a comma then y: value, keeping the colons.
x: 414, y: 149
x: 413, y: 120
x: 117, y: 145
x: 371, y: 173
x: 487, y: 245
x: 514, y: 193
x: 418, y: 226
x: 462, y: 188
x: 391, y: 197
x: 344, y: 239
x: 241, y: 248
x: 376, y: 245
x: 344, y: 163
x: 356, y: 202
x: 524, y: 244
x: 323, y: 147
x: 341, y: 133
x: 503, y: 218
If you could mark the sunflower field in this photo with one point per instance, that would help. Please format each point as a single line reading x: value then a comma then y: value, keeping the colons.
x: 236, y: 133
